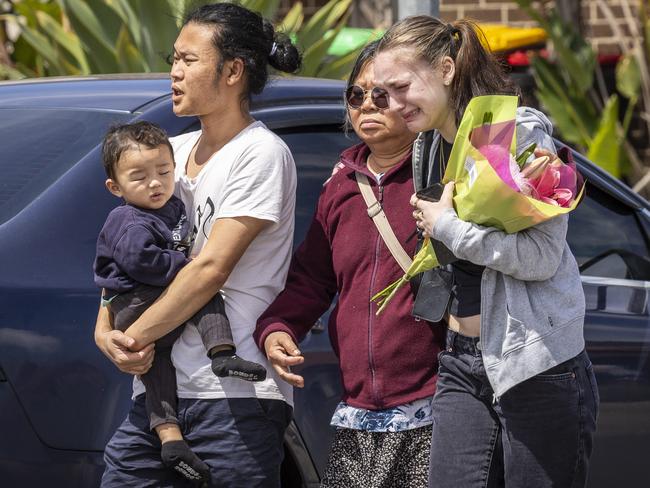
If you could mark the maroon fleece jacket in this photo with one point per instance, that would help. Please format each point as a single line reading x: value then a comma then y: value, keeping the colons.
x: 385, y: 360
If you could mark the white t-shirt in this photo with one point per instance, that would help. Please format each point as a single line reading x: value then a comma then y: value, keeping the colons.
x: 253, y: 175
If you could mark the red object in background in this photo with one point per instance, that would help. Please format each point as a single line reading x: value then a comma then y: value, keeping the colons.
x: 518, y: 58
x: 608, y: 59
x: 522, y: 58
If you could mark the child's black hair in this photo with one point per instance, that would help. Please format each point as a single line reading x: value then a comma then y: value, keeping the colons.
x: 121, y: 137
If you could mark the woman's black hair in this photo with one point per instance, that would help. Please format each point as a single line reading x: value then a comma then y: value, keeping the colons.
x: 365, y: 56
x: 242, y: 34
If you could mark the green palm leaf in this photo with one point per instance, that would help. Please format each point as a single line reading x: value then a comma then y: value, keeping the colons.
x: 128, y: 17
x: 321, y: 22
x: 316, y: 54
x: 266, y: 8
x: 159, y: 28
x: 128, y: 55
x: 340, y: 68
x: 87, y: 19
x: 95, y: 36
x: 43, y: 47
x: 605, y: 148
x: 67, y: 40
x: 293, y: 20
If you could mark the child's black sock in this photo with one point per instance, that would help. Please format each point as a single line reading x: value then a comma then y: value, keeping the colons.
x: 227, y: 363
x: 178, y: 456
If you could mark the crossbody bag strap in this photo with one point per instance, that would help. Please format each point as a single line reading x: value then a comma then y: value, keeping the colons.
x: 376, y: 213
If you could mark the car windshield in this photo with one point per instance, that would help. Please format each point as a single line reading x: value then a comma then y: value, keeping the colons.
x: 38, y: 145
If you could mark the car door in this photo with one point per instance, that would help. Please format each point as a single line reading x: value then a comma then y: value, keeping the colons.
x: 610, y: 242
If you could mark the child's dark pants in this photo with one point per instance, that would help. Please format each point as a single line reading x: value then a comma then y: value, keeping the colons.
x: 160, y: 380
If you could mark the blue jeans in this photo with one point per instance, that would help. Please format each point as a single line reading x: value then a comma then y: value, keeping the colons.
x: 538, y: 434
x: 241, y: 439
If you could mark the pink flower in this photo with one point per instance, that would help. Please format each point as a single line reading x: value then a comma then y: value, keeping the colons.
x: 557, y: 184
x: 568, y: 176
x: 547, y: 178
x: 535, y: 168
x: 500, y: 158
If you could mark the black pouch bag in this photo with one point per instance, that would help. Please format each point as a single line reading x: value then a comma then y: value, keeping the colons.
x: 432, y: 288
x: 433, y: 295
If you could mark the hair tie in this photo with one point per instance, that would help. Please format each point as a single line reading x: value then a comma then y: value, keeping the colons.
x: 453, y: 31
x: 454, y: 35
x: 274, y: 48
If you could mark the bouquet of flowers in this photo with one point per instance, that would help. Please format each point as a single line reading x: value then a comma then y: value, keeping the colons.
x: 495, y: 187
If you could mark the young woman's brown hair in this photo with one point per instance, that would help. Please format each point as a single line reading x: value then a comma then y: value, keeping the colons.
x: 478, y: 72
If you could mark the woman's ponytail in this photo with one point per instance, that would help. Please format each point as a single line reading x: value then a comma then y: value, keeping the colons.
x: 478, y: 72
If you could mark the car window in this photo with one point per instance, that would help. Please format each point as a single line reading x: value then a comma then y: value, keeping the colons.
x: 606, y: 238
x: 316, y: 150
x: 39, y: 145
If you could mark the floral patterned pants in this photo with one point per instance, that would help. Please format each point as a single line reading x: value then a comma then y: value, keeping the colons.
x: 362, y: 459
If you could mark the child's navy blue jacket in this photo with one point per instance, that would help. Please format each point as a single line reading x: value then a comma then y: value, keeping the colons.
x: 141, y: 246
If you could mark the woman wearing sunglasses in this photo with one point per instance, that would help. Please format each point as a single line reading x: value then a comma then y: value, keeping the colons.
x: 516, y: 402
x: 383, y: 423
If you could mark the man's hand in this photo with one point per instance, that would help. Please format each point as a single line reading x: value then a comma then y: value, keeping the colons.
x: 283, y: 353
x: 115, y: 346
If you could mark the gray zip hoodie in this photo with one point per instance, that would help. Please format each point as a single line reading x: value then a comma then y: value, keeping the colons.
x: 532, y: 302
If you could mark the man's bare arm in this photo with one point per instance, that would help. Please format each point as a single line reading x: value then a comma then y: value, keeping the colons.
x: 199, y: 281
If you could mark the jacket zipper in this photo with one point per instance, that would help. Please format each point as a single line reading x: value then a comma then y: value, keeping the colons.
x: 415, y: 162
x: 370, y: 311
x: 495, y: 398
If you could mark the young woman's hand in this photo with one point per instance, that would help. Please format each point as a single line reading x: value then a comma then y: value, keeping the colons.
x: 283, y: 353
x: 426, y: 214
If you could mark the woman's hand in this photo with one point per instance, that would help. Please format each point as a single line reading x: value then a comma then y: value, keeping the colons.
x: 115, y: 346
x: 426, y: 214
x: 283, y: 353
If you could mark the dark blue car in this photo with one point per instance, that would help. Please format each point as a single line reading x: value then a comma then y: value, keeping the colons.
x: 60, y: 399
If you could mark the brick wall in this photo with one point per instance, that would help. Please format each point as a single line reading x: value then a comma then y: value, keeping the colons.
x: 364, y: 13
x: 596, y: 26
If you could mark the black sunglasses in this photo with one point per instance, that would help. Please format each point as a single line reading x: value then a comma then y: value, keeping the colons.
x: 355, y: 96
